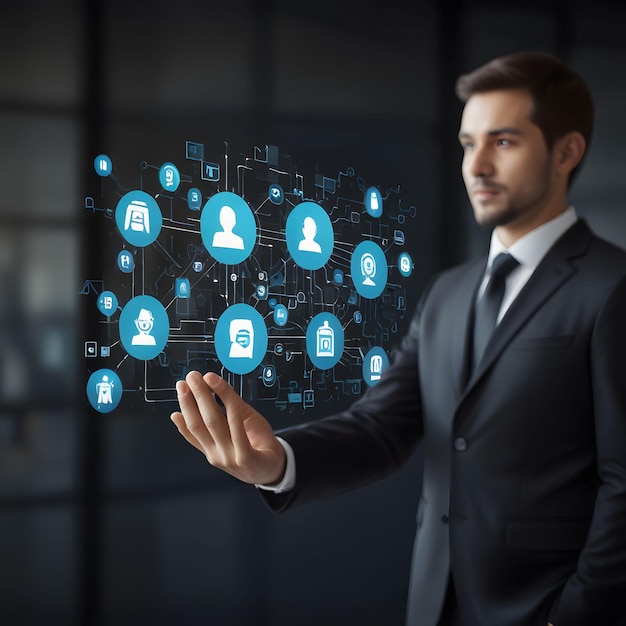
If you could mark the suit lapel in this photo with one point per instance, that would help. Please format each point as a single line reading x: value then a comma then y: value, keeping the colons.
x: 554, y: 270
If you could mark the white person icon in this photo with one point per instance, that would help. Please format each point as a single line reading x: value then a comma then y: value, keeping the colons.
x: 226, y: 238
x: 144, y: 324
x: 309, y: 230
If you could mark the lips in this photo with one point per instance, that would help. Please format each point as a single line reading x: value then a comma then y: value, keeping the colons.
x: 485, y: 193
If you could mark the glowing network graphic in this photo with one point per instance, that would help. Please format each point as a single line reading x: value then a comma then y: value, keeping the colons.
x: 294, y: 297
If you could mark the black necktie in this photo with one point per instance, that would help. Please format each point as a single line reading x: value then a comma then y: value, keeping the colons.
x: 488, y: 305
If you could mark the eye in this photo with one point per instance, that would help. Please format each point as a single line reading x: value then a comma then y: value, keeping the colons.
x: 503, y: 141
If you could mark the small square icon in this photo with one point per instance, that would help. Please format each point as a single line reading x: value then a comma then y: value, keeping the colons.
x: 210, y: 171
x: 91, y: 349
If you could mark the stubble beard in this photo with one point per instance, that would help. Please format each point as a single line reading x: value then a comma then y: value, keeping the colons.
x: 515, y: 208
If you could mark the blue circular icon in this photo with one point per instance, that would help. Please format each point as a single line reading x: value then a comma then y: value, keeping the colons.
x: 338, y: 277
x: 309, y: 234
x: 324, y: 340
x: 368, y: 266
x: 144, y: 327
x: 107, y: 303
x: 373, y: 201
x: 102, y: 164
x: 281, y: 315
x: 240, y: 338
x: 405, y: 264
x: 357, y: 316
x: 104, y: 390
x: 375, y: 363
x: 169, y: 177
x: 194, y: 199
x: 228, y: 228
x: 138, y: 218
x: 276, y: 194
x: 269, y: 375
x: 125, y: 261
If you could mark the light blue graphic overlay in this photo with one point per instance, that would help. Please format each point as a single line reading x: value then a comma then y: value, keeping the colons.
x: 281, y: 315
x: 107, y: 303
x: 324, y: 340
x: 375, y: 363
x: 373, y: 201
x: 169, y: 177
x: 309, y: 234
x: 138, y: 218
x: 104, y: 390
x: 276, y: 194
x: 144, y: 327
x: 102, y: 164
x: 125, y: 261
x: 368, y: 266
x: 228, y: 228
x: 405, y: 264
x: 240, y: 338
x: 182, y: 288
x: 194, y: 199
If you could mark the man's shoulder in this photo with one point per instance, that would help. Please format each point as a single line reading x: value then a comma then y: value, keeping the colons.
x: 610, y: 256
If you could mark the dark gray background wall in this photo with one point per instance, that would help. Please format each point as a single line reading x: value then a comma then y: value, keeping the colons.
x: 114, y: 519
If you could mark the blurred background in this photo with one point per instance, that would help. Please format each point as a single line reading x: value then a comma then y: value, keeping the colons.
x: 113, y: 519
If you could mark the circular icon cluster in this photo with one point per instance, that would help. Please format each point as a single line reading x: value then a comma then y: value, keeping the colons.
x: 229, y: 233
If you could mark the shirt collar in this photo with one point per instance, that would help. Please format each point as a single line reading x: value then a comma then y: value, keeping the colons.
x: 533, y: 246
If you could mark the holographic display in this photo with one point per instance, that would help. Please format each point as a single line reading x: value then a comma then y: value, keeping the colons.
x: 289, y: 284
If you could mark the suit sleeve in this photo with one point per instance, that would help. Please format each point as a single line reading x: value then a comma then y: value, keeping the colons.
x: 596, y: 592
x: 374, y: 437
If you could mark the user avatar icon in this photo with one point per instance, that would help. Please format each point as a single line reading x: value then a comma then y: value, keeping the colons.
x: 309, y: 230
x: 227, y: 238
x: 138, y: 218
x: 241, y: 332
x: 228, y: 228
x: 240, y: 338
x: 104, y: 390
x: 309, y: 235
x: 144, y: 324
x: 368, y: 269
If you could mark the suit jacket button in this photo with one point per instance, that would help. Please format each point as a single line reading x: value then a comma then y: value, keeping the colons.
x: 444, y: 519
x: 460, y: 444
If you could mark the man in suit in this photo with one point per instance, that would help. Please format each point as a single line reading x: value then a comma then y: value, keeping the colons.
x: 522, y: 515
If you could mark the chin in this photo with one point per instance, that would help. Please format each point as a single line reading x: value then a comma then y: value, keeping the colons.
x: 494, y: 217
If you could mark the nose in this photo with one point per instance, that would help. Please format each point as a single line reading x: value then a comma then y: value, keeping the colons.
x: 481, y: 164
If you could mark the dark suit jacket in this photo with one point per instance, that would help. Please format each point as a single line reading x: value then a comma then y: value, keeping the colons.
x: 524, y: 484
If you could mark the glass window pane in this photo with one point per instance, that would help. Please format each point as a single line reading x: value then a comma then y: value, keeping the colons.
x: 39, y: 162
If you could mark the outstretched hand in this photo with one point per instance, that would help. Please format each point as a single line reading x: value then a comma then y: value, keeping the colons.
x: 236, y: 438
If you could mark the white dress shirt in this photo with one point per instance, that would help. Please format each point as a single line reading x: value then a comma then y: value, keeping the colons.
x: 529, y: 250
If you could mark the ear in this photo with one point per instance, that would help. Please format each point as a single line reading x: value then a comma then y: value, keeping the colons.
x: 568, y: 152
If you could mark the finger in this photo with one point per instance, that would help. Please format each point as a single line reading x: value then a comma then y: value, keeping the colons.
x: 235, y: 411
x: 211, y: 413
x: 193, y: 422
x: 179, y: 421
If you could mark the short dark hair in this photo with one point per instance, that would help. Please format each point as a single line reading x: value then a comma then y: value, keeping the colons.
x: 562, y: 101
